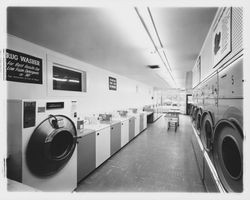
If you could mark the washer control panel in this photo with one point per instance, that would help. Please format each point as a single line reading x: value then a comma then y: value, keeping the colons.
x: 29, y: 114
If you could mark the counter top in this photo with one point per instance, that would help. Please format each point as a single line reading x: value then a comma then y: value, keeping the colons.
x: 112, y: 122
x: 96, y: 127
x: 84, y: 132
x: 133, y: 114
x: 122, y: 119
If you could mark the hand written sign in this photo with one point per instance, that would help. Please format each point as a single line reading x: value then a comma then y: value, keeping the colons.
x: 24, y: 68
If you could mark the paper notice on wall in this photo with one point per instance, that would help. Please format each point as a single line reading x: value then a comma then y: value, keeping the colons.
x: 222, y: 35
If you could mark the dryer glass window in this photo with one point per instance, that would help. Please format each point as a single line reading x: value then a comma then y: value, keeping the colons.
x: 231, y: 157
x: 208, y: 132
x: 61, y: 144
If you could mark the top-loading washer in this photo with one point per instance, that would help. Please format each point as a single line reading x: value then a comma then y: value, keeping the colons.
x: 42, y: 143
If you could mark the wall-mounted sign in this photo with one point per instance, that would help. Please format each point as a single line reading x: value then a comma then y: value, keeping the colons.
x: 222, y: 35
x: 24, y: 68
x: 112, y: 83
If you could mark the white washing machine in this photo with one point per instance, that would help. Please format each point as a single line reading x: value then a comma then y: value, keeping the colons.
x: 134, y: 112
x: 41, y: 146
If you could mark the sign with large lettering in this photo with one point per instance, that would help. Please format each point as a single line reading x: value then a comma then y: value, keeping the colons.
x: 112, y: 83
x: 222, y: 35
x: 24, y: 68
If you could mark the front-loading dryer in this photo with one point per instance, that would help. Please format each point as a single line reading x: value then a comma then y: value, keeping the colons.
x: 209, y: 116
x: 191, y: 109
x: 200, y: 109
x: 228, y: 132
x: 194, y: 113
x: 41, y: 146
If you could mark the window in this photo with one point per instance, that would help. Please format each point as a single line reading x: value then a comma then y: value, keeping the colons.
x: 67, y: 79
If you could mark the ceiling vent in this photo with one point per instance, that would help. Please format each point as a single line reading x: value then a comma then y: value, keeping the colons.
x: 153, y: 66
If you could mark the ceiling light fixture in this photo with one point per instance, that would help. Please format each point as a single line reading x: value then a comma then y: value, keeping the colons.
x: 160, y: 49
x: 148, y: 23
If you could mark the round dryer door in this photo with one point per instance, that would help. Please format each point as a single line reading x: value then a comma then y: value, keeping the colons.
x: 194, y: 113
x: 198, y: 119
x: 191, y: 109
x: 51, y: 145
x: 228, y: 155
x: 207, y: 132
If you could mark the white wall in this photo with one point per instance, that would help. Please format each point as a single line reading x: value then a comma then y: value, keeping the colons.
x: 98, y: 97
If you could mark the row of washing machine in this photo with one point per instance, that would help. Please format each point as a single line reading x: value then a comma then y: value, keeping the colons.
x: 45, y: 149
x: 217, y: 115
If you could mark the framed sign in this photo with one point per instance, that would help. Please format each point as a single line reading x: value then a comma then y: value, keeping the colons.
x: 222, y: 35
x: 24, y: 68
x: 112, y: 83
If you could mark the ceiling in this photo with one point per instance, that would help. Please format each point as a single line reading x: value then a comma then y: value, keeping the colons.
x: 115, y: 39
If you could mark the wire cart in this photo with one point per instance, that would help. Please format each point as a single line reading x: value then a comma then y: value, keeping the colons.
x: 173, y: 119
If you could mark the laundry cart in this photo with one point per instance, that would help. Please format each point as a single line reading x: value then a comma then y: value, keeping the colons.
x: 173, y: 119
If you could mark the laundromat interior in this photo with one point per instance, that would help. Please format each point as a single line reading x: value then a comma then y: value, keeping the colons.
x: 123, y: 99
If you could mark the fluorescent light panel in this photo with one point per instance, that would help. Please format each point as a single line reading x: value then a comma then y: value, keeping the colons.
x: 129, y: 25
x: 143, y: 13
x: 66, y: 80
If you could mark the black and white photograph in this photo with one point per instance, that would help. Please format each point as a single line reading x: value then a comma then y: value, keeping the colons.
x: 121, y: 100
